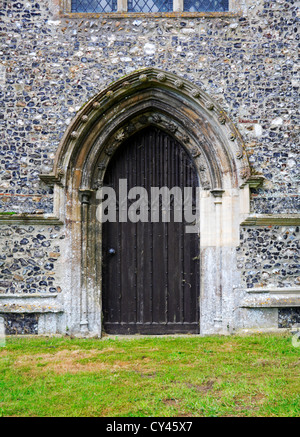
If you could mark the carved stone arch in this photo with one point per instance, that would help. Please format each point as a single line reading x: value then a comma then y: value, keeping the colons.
x: 152, y: 90
x: 95, y: 167
x: 184, y: 111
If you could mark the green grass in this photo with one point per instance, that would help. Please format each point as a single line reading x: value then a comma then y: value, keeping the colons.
x: 150, y: 376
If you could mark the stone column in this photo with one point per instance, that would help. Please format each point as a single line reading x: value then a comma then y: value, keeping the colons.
x: 217, y: 193
x: 85, y: 204
x: 122, y: 5
x: 177, y: 5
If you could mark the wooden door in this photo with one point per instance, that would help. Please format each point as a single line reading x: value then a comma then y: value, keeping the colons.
x: 150, y: 279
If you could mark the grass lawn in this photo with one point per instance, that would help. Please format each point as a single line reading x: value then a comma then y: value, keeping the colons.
x: 172, y: 376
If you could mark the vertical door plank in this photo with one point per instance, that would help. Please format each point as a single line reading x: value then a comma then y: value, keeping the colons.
x: 151, y: 285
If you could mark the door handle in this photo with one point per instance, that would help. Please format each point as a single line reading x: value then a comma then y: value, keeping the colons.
x: 111, y: 251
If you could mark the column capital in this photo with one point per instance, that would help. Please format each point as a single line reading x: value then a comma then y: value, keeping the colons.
x: 217, y: 192
x: 85, y: 195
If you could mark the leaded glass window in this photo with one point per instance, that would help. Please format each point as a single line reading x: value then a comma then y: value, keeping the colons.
x: 94, y: 6
x: 205, y: 5
x: 148, y: 6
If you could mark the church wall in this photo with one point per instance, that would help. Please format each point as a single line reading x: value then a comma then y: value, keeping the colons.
x: 51, y: 64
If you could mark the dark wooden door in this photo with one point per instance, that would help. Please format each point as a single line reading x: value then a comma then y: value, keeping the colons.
x: 151, y: 283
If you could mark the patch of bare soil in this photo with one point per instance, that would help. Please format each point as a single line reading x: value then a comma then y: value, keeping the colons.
x: 183, y: 414
x: 74, y: 361
x: 204, y: 388
x: 265, y: 363
x: 171, y: 402
x: 294, y: 364
x: 228, y: 347
x: 246, y: 403
x: 147, y: 374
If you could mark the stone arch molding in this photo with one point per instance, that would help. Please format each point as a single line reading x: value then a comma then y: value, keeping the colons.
x: 162, y: 99
x: 155, y: 97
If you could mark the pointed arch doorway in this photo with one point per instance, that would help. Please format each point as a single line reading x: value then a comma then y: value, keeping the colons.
x: 150, y: 270
x: 100, y: 129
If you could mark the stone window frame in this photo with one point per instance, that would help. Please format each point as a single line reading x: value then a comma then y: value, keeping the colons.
x: 236, y: 7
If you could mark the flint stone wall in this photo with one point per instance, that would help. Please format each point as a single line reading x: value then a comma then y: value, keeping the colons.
x: 269, y: 256
x: 51, y: 65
